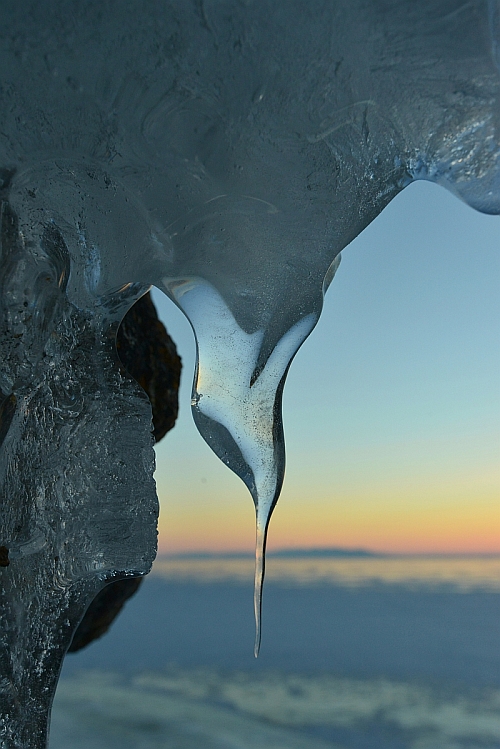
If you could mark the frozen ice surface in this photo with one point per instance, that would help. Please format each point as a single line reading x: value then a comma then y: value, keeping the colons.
x: 193, y: 708
x: 99, y: 712
x: 226, y: 152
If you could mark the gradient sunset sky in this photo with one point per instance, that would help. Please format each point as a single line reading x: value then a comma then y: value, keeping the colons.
x: 391, y: 408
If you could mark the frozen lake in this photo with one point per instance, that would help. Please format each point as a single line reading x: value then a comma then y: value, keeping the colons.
x: 356, y: 654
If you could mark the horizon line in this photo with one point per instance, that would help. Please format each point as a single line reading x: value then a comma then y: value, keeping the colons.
x: 323, y: 552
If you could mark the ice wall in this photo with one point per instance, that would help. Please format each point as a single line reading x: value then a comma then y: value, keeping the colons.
x: 225, y: 151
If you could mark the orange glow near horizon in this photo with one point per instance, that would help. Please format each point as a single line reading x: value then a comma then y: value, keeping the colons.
x: 376, y: 500
x: 395, y: 524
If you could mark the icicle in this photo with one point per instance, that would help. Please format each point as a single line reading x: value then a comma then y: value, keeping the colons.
x: 236, y: 400
x: 261, y: 527
x: 237, y: 393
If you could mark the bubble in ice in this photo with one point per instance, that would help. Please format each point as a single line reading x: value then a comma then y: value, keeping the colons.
x: 225, y: 152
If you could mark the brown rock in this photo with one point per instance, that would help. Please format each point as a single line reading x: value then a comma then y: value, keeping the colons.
x: 149, y: 355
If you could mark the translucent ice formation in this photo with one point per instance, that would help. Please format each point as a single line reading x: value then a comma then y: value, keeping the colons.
x: 225, y: 151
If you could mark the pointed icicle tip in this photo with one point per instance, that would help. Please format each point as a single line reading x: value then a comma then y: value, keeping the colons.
x: 260, y: 566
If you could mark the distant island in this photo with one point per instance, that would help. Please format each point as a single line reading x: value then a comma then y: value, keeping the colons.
x: 323, y: 553
x: 314, y: 553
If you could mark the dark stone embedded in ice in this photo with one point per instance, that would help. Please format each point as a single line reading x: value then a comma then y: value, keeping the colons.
x: 149, y: 355
x: 7, y: 410
x: 103, y: 610
x: 4, y: 556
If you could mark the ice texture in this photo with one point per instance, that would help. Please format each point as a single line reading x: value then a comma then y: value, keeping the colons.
x: 225, y: 151
x: 79, y: 505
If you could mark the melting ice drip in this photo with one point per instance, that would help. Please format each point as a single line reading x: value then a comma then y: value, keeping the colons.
x: 227, y: 153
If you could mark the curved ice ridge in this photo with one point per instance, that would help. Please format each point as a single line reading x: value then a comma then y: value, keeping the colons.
x: 226, y: 152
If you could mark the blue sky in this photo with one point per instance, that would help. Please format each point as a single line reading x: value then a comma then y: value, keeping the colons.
x: 391, y: 408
